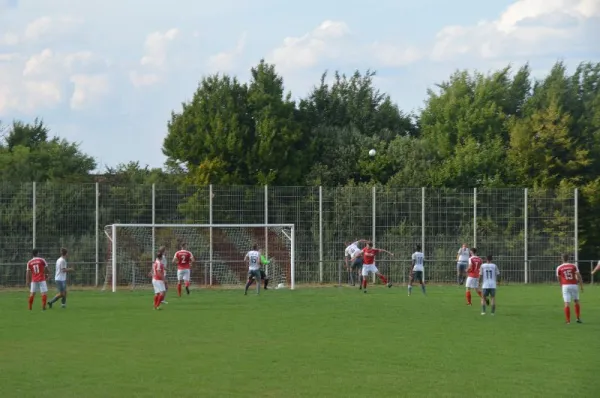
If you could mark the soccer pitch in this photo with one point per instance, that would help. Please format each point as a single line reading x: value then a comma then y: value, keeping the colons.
x: 322, y: 342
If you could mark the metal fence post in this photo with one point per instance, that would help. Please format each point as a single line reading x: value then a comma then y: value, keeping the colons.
x: 266, y: 222
x: 210, y: 232
x: 525, y: 238
x: 474, y: 217
x: 320, y: 234
x: 153, y: 219
x: 34, y: 215
x: 423, y: 224
x: 374, y: 220
x: 576, y: 226
x: 97, y: 233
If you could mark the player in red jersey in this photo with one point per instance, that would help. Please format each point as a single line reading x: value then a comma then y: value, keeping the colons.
x: 158, y: 280
x: 184, y: 260
x: 368, y: 254
x: 37, y: 274
x: 162, y: 250
x: 473, y: 276
x: 569, y: 277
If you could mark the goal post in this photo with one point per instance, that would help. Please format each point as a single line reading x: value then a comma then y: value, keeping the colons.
x: 219, y: 250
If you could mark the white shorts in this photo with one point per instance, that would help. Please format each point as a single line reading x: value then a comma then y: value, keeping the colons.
x: 159, y: 286
x: 183, y: 275
x: 472, y: 283
x: 369, y: 268
x: 570, y: 293
x: 41, y: 286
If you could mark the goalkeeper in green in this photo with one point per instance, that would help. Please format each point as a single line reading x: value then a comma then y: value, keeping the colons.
x: 263, y: 274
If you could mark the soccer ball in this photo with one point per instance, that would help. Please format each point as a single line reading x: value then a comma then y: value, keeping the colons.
x: 372, y: 152
x: 280, y: 286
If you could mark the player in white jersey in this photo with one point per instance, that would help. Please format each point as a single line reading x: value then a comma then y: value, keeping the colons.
x: 417, y: 269
x: 351, y: 255
x: 60, y: 277
x: 462, y: 261
x: 254, y: 261
x: 489, y: 274
x: 163, y: 251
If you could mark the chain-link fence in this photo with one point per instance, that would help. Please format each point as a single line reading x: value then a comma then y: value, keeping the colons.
x: 524, y: 229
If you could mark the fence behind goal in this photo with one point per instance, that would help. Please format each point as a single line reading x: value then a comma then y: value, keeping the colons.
x: 525, y: 229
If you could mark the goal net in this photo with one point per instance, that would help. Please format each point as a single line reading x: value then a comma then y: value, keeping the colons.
x: 219, y: 250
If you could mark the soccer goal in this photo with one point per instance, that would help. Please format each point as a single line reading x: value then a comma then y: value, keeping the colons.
x: 219, y: 250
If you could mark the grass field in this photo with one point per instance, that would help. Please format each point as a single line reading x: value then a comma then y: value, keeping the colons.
x: 326, y: 342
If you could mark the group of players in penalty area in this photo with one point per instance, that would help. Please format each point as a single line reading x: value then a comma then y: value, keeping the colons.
x: 470, y: 270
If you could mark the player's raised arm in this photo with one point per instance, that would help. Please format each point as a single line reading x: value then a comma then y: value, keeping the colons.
x: 384, y: 251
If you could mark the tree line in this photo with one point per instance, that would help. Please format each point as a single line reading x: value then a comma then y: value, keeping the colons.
x: 497, y: 130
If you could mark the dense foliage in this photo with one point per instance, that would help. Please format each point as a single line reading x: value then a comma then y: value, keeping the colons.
x: 504, y: 129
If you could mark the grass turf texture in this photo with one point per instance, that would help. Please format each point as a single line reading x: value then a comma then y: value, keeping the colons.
x: 329, y: 342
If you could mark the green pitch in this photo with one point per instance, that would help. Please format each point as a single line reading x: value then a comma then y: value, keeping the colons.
x: 328, y: 342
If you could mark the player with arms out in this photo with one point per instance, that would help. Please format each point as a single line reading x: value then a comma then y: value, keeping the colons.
x: 60, y: 278
x: 184, y: 260
x: 417, y: 269
x: 569, y: 277
x: 254, y: 261
x: 475, y: 263
x: 462, y: 261
x: 351, y: 256
x: 37, y: 275
x: 489, y: 274
x: 158, y: 280
x: 368, y: 255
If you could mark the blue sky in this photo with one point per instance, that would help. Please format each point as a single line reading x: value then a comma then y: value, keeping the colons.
x: 108, y: 74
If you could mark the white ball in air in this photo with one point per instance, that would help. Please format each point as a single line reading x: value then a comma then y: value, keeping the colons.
x: 372, y: 152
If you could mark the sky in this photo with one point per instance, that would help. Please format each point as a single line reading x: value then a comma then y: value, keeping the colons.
x: 107, y: 74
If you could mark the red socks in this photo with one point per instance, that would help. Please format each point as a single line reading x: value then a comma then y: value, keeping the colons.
x: 468, y: 297
x: 156, y: 300
x: 577, y: 310
x: 187, y: 284
x: 30, y: 302
x: 568, y: 313
x: 179, y: 289
x: 478, y: 293
x: 383, y: 278
x: 364, y: 283
x: 44, y: 300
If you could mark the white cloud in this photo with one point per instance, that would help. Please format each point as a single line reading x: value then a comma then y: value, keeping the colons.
x: 156, y: 46
x: 526, y: 28
x: 143, y: 79
x: 389, y: 55
x: 226, y: 61
x: 39, y: 64
x: 50, y: 27
x: 9, y: 39
x: 306, y: 51
x: 88, y: 89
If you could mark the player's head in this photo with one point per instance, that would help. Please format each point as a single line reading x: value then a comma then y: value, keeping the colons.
x: 565, y: 257
x: 35, y: 252
x: 255, y: 247
x: 159, y: 255
x: 63, y: 252
x: 418, y: 247
x: 183, y: 246
x: 162, y: 249
x: 489, y: 258
x: 369, y: 244
x: 464, y: 245
x: 474, y: 251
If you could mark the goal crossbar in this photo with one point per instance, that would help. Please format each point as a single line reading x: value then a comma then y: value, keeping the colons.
x: 113, y: 240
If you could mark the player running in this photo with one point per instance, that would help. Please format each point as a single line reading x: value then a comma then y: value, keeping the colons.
x: 417, y: 269
x: 37, y: 274
x: 368, y: 255
x: 60, y: 277
x: 462, y: 261
x: 184, y: 260
x: 489, y: 274
x: 162, y: 250
x: 356, y: 262
x: 254, y: 259
x: 473, y: 276
x: 569, y: 277
x: 158, y: 280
